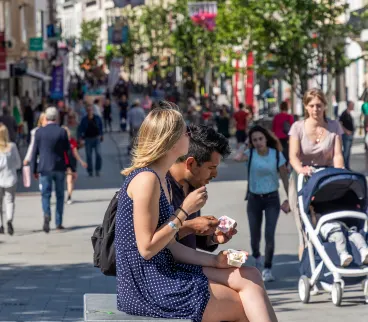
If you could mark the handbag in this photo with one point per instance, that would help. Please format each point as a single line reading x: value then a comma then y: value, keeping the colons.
x: 26, y: 171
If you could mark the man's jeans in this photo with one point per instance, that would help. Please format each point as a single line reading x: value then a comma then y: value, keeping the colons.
x: 46, y: 189
x: 347, y: 142
x: 93, y: 144
x: 270, y: 204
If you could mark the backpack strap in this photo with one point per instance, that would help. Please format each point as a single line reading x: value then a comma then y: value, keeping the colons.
x: 249, y: 164
x: 277, y: 160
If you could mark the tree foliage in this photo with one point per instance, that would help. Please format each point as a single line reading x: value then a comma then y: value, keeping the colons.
x: 89, y: 39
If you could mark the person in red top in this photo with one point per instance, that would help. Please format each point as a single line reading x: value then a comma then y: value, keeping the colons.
x: 241, y: 120
x: 73, y: 157
x: 281, y: 126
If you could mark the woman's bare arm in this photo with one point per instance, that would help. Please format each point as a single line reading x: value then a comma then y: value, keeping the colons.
x: 145, y: 192
x: 186, y: 255
x: 338, y: 160
x: 284, y: 177
x: 294, y: 153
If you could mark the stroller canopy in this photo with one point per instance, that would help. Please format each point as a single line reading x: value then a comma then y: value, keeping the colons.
x: 332, y: 184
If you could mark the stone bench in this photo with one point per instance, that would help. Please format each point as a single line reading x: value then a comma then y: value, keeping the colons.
x: 102, y: 308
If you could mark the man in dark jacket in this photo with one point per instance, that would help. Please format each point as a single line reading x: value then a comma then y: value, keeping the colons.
x: 206, y: 150
x: 10, y: 123
x: 91, y: 132
x: 49, y: 163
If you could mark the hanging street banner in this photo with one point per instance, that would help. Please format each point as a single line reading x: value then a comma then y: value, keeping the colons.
x: 124, y: 3
x: 36, y: 44
x: 2, y: 51
x: 57, y: 83
x: 118, y: 35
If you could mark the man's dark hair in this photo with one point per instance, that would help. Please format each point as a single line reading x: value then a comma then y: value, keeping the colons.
x: 204, y: 141
x: 241, y: 106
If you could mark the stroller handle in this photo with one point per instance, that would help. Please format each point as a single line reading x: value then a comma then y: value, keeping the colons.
x: 303, y: 178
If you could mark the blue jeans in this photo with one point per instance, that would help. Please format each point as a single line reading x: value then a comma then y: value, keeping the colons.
x: 347, y: 143
x: 46, y: 180
x: 270, y: 204
x: 93, y: 144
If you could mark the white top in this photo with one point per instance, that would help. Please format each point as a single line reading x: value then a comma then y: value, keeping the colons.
x: 9, y: 164
x: 28, y: 156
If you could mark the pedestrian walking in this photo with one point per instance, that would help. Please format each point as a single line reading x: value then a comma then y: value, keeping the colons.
x: 241, y: 122
x: 223, y: 122
x: 348, y: 126
x: 91, y: 133
x: 147, y: 104
x: 314, y: 142
x: 123, y: 109
x: 107, y: 114
x: 41, y: 122
x: 281, y: 126
x: 49, y: 165
x: 11, y: 124
x: 97, y: 108
x: 10, y: 162
x: 135, y: 116
x: 73, y: 157
x: 207, y: 148
x: 192, y: 285
x: 265, y: 163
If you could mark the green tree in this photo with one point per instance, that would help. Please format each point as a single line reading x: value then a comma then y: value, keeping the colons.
x: 89, y: 39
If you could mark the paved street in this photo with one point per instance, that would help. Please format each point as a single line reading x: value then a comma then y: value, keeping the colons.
x: 43, y: 277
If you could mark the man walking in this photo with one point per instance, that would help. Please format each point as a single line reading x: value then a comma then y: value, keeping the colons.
x: 348, y: 126
x: 91, y: 132
x: 49, y: 165
x: 136, y: 116
x: 206, y: 150
x: 11, y: 124
x: 241, y: 120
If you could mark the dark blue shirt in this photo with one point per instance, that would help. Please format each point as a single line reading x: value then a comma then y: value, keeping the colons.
x: 50, y: 147
x: 178, y: 196
x: 90, y: 127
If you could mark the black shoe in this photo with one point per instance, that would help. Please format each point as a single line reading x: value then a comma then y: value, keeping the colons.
x: 60, y: 227
x: 1, y: 230
x: 90, y: 174
x: 97, y: 174
x: 10, y: 228
x: 46, y: 224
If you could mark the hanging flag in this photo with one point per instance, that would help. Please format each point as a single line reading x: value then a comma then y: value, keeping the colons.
x: 249, y: 93
x: 124, y: 3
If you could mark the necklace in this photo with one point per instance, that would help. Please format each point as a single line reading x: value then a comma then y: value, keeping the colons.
x: 318, y: 139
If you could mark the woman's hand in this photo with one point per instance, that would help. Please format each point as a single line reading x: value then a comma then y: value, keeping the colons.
x: 285, y: 207
x: 221, y: 259
x: 195, y: 200
x: 25, y: 162
x: 306, y: 171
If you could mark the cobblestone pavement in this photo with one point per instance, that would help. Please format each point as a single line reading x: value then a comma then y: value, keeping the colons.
x: 43, y: 277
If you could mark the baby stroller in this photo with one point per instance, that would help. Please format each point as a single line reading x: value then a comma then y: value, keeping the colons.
x: 336, y: 194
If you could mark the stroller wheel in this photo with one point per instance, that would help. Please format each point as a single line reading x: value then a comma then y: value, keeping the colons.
x: 365, y: 289
x: 304, y: 289
x: 336, y: 294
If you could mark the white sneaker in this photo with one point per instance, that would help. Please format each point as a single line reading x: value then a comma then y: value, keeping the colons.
x: 259, y: 264
x: 364, y: 254
x: 267, y: 275
x: 69, y: 202
x: 345, y: 259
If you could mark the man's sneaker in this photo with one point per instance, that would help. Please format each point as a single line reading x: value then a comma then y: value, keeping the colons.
x: 267, y: 275
x: 46, y: 224
x: 1, y: 230
x: 259, y: 264
x: 364, y: 254
x: 345, y: 259
x: 10, y: 228
x: 90, y: 174
x: 60, y: 227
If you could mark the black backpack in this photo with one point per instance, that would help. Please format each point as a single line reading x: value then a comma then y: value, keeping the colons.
x: 103, y: 240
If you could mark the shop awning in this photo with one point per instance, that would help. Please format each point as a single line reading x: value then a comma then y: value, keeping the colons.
x: 38, y: 75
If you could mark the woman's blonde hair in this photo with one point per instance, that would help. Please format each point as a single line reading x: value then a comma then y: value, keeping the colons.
x: 311, y: 94
x: 41, y: 119
x: 159, y: 132
x: 4, y: 137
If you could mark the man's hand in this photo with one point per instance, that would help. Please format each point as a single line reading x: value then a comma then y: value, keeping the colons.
x: 203, y: 225
x: 221, y: 238
x: 36, y: 176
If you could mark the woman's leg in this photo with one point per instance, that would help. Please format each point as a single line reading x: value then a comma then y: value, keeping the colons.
x: 224, y: 305
x: 70, y: 184
x: 293, y: 201
x: 255, y: 214
x: 2, y: 191
x: 247, y: 281
x: 272, y: 212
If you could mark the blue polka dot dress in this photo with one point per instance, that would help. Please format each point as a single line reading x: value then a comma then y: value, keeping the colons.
x: 159, y: 287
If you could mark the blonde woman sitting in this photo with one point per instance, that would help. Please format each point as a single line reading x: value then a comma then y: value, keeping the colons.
x: 156, y: 276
